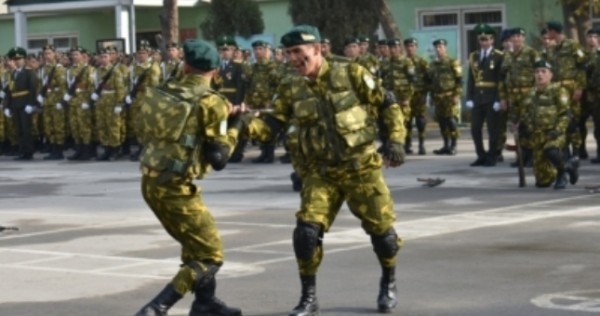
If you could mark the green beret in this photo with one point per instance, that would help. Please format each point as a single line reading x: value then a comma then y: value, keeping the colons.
x: 363, y: 38
x: 554, y: 26
x: 593, y: 31
x: 505, y: 34
x: 440, y: 41
x: 49, y: 46
x: 382, y: 42
x: 484, y: 29
x: 172, y: 45
x: 301, y: 34
x: 518, y: 31
x: 105, y: 50
x: 226, y: 40
x: 325, y: 40
x: 76, y: 49
x: 144, y: 45
x: 201, y: 55
x: 394, y: 42
x: 17, y: 52
x: 410, y: 40
x: 260, y: 43
x: 542, y: 64
x: 85, y: 51
x: 351, y: 40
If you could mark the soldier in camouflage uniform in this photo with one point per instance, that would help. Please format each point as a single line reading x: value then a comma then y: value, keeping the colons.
x: 593, y: 95
x: 418, y: 102
x: 260, y: 88
x: 483, y: 81
x: 144, y: 73
x: 108, y: 106
x: 568, y: 61
x: 546, y: 120
x: 587, y: 106
x: 547, y: 44
x: 351, y: 48
x: 172, y: 68
x: 518, y: 72
x: 174, y: 198
x: 365, y: 58
x: 54, y: 113
x: 328, y: 55
x: 80, y: 80
x: 328, y: 111
x: 10, y: 146
x: 398, y: 77
x: 444, y: 80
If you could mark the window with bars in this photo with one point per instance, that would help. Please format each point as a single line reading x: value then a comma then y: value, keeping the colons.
x: 439, y: 19
x: 62, y: 42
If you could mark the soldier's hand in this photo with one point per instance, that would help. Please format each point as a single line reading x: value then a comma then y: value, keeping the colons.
x: 7, y: 113
x: 94, y: 96
x: 40, y: 99
x: 393, y: 154
x: 118, y: 109
x: 553, y: 134
x: 469, y: 104
x: 67, y: 97
x: 85, y: 106
x: 577, y: 95
x: 59, y: 106
x: 28, y: 109
x: 128, y: 100
x: 2, y: 94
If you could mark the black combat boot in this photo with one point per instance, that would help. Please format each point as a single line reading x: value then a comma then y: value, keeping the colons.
x: 308, y: 305
x: 408, y: 146
x: 159, y: 305
x: 422, y: 150
x: 386, y: 300
x: 267, y: 154
x: 106, y: 154
x: 207, y: 304
x: 50, y: 151
x: 87, y: 152
x: 444, y: 150
x: 126, y: 147
x: 56, y: 153
x: 238, y: 153
x: 583, y: 153
x: 561, y: 179
x: 78, y: 152
x: 572, y: 168
x: 136, y: 155
x: 452, y: 149
x: 296, y: 182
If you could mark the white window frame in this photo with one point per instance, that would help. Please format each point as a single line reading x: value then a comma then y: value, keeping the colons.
x: 461, y: 27
x: 49, y: 37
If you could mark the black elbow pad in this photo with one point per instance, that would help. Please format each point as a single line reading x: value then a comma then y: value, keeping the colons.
x: 216, y: 155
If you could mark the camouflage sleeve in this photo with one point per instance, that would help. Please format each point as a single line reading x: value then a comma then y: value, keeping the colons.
x: 458, y: 76
x: 214, y: 112
x: 562, y: 110
x: 580, y: 60
x: 262, y: 129
x: 60, y: 81
x: 119, y: 84
x: 155, y: 75
x: 372, y: 94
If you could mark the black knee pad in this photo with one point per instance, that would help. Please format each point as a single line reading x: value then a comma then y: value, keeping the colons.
x: 421, y: 122
x: 554, y: 155
x: 307, y: 237
x: 205, y: 272
x: 386, y: 245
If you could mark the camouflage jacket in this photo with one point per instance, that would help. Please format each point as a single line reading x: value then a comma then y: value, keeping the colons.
x: 260, y: 85
x: 421, y: 68
x: 568, y: 62
x: 518, y: 71
x: 331, y: 121
x: 171, y: 69
x: 80, y: 83
x: 547, y: 110
x: 370, y: 62
x: 444, y: 76
x: 399, y: 77
x: 56, y: 86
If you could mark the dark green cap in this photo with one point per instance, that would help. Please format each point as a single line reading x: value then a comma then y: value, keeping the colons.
x: 440, y: 41
x: 50, y: 47
x: 394, y: 42
x: 76, y: 49
x: 226, y: 40
x: 363, y: 38
x: 260, y: 43
x: 17, y: 52
x: 484, y: 29
x: 351, y: 40
x: 301, y: 34
x: 593, y: 31
x: 382, y: 42
x: 144, y: 45
x: 201, y: 55
x: 542, y: 64
x: 325, y: 40
x: 505, y: 34
x: 518, y: 31
x: 410, y: 40
x: 172, y: 45
x: 554, y: 26
x: 104, y: 50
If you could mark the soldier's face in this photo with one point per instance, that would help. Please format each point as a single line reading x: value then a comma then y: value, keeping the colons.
x: 173, y: 52
x: 384, y: 50
x: 440, y: 50
x: 352, y: 51
x: 363, y: 47
x: 76, y: 57
x: 305, y: 58
x: 395, y: 50
x: 226, y: 53
x: 49, y: 55
x: 517, y: 40
x: 105, y: 59
x: 141, y: 56
x: 325, y: 49
x: 547, y: 41
x: 411, y: 49
x: 543, y: 76
x: 591, y: 40
x: 278, y: 56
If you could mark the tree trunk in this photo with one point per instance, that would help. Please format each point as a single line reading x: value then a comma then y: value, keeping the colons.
x: 169, y: 23
x: 575, y: 26
x: 390, y: 28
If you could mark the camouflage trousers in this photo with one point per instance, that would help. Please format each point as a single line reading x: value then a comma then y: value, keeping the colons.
x: 81, y: 121
x: 54, y: 121
x: 573, y: 135
x: 517, y: 109
x: 2, y: 124
x: 543, y: 170
x: 418, y: 110
x: 108, y: 123
x: 181, y: 211
x: 445, y: 110
x: 366, y: 195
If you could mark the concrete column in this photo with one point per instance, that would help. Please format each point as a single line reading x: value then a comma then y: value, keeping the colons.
x: 20, y: 29
x: 122, y: 25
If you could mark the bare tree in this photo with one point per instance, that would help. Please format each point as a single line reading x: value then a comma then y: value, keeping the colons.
x: 386, y: 18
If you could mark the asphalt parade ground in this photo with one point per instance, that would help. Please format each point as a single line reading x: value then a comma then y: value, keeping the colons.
x: 476, y: 245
